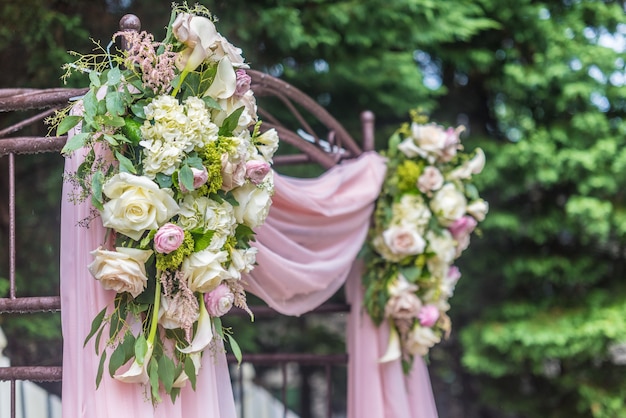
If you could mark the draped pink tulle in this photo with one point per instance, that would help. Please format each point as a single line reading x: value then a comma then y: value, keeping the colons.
x: 307, y: 250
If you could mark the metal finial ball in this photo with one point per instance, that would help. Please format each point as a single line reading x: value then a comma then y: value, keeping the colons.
x: 130, y: 22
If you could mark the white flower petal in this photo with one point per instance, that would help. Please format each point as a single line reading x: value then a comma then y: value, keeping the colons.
x: 204, y: 333
x: 393, y: 347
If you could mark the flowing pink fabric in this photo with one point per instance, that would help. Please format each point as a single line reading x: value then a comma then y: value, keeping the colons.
x: 307, y: 250
x: 82, y: 298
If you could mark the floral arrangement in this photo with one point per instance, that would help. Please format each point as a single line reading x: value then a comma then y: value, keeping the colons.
x: 424, y: 216
x: 178, y: 171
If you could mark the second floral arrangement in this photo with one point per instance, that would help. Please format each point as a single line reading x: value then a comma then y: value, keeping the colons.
x: 424, y: 216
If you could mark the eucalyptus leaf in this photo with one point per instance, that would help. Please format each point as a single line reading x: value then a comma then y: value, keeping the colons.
x: 141, y: 348
x: 167, y: 372
x: 118, y: 358
x: 186, y: 177
x: 190, y: 371
x: 75, y: 142
x: 235, y: 347
x: 126, y: 165
x: 100, y: 369
x: 68, y: 123
x: 153, y: 373
x: 230, y: 123
x: 95, y: 325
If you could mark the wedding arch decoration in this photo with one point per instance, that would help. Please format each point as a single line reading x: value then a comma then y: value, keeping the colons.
x: 179, y: 173
x: 311, y: 234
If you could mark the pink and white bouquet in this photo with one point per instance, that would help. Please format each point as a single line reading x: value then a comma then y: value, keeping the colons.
x: 179, y: 172
x: 427, y: 210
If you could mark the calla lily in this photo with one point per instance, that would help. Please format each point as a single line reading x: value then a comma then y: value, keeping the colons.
x: 204, y: 333
x: 182, y: 379
x: 225, y: 81
x: 199, y: 34
x: 138, y: 371
x: 393, y: 347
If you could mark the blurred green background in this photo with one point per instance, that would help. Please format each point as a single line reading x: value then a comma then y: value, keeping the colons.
x: 539, y: 316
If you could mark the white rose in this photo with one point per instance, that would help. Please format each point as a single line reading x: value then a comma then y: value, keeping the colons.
x: 431, y: 138
x: 225, y: 48
x: 241, y: 261
x: 267, y: 144
x: 478, y: 209
x: 411, y: 210
x: 472, y: 166
x: 254, y: 204
x: 410, y: 149
x: 204, y: 271
x: 123, y: 270
x: 430, y: 180
x: 448, y: 204
x: 420, y: 340
x: 136, y: 204
x: 442, y: 244
x: 404, y: 241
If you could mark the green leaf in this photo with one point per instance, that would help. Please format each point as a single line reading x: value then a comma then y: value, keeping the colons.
x: 126, y: 165
x: 132, y: 130
x: 235, y: 347
x: 211, y: 103
x: 100, y: 369
x: 94, y: 78
x: 96, y: 190
x: 97, y: 343
x: 138, y: 109
x: 141, y: 348
x: 219, y: 330
x: 202, y: 241
x: 411, y: 273
x: 190, y: 371
x: 68, y: 123
x: 95, y: 325
x: 75, y: 142
x: 153, y: 372
x: 90, y: 103
x: 230, y: 123
x: 164, y: 180
x: 186, y: 177
x: 114, y: 76
x: 167, y: 372
x: 117, y: 359
x: 115, y: 103
x: 114, y: 121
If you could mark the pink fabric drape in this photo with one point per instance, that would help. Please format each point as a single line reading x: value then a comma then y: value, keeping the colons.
x: 307, y: 250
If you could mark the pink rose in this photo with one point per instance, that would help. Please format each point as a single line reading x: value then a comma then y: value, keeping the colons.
x: 462, y: 227
x: 431, y: 179
x: 428, y: 315
x: 452, y: 143
x: 219, y: 300
x: 233, y: 174
x: 199, y: 178
x: 168, y: 238
x: 243, y: 82
x: 257, y: 170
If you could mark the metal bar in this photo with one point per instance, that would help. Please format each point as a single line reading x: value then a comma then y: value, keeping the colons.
x: 30, y: 304
x: 31, y: 144
x: 39, y: 99
x: 32, y: 373
x: 266, y: 311
x: 13, y: 400
x: 283, y: 369
x: 300, y: 358
x: 11, y: 226
x: 329, y: 392
x: 26, y: 122
x: 367, y: 124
